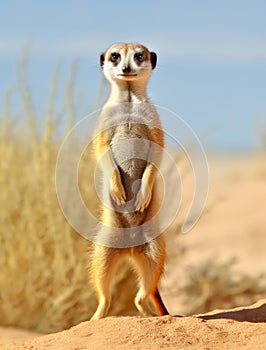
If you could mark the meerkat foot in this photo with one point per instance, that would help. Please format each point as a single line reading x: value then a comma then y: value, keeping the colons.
x: 141, y: 304
x: 143, y: 197
x: 101, y: 311
x: 117, y: 190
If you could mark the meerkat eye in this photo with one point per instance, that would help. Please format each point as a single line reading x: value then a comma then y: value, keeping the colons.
x: 115, y: 57
x: 139, y: 57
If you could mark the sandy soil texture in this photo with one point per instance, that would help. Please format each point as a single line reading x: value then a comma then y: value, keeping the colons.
x: 241, y: 328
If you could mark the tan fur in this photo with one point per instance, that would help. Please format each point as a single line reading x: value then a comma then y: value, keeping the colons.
x: 128, y: 94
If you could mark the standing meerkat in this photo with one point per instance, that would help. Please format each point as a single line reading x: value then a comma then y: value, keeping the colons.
x: 129, y: 126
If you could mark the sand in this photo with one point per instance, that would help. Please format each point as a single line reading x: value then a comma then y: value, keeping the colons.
x: 241, y: 328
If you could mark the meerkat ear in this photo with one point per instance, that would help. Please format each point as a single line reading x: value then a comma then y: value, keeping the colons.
x: 102, y: 58
x: 153, y: 59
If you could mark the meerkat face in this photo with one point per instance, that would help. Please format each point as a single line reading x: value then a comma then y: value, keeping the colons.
x: 128, y: 62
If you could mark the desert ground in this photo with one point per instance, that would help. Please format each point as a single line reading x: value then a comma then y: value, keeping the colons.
x: 241, y: 328
x: 232, y: 226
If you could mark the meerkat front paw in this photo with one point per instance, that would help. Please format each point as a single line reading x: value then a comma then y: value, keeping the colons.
x: 117, y: 190
x: 143, y: 197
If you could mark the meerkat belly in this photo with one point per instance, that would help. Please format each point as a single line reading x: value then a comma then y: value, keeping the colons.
x: 130, y: 149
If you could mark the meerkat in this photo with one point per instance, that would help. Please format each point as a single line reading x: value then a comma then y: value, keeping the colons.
x: 130, y: 185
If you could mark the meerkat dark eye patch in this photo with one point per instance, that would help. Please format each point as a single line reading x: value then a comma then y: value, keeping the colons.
x: 139, y: 57
x: 102, y: 59
x: 153, y: 59
x: 115, y: 57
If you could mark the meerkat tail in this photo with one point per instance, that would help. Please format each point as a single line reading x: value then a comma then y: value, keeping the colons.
x: 158, y: 303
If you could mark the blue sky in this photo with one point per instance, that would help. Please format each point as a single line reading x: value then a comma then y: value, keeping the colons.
x: 211, y: 57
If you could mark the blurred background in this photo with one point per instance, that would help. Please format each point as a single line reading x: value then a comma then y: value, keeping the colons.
x: 211, y: 72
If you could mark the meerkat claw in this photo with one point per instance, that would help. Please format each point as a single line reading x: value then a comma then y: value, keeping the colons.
x: 119, y: 198
x: 117, y: 190
x: 143, y: 198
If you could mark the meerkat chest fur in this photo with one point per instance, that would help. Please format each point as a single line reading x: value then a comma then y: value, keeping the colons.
x: 130, y: 140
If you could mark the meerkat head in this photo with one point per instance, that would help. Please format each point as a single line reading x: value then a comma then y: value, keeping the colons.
x: 128, y: 62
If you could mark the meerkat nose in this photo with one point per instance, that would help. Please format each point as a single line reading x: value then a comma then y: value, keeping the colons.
x: 126, y: 69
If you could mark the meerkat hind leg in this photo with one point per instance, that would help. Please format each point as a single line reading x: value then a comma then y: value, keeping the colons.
x: 149, y: 273
x: 106, y: 263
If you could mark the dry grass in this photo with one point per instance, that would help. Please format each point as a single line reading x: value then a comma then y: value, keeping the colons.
x: 43, y: 279
x: 213, y: 285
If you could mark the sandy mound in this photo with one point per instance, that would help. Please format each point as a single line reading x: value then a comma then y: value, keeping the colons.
x: 215, y: 330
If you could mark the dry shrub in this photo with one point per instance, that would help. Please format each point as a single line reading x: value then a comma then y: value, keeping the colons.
x: 213, y: 285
